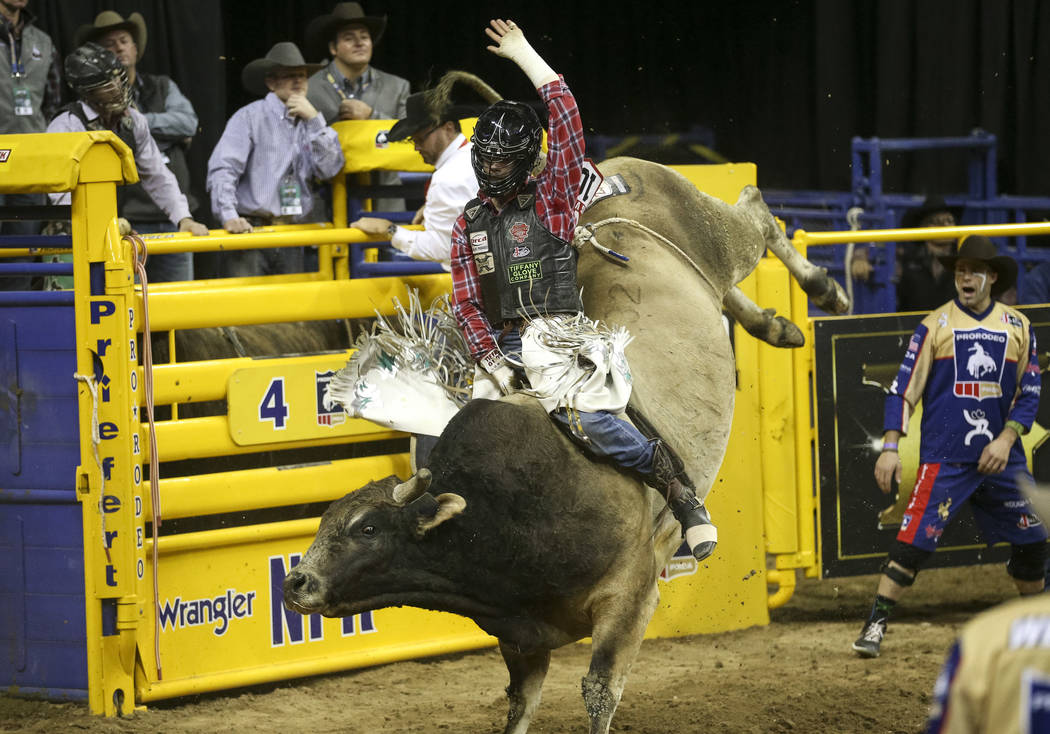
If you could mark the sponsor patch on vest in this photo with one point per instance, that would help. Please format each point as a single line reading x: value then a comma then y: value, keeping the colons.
x: 381, y: 139
x: 479, y: 242
x: 519, y: 232
x: 521, y: 251
x: 519, y: 272
x: 485, y: 263
x: 5, y: 153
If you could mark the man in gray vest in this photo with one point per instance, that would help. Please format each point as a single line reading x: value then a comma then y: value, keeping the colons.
x: 350, y: 88
x: 30, y: 92
x: 172, y: 123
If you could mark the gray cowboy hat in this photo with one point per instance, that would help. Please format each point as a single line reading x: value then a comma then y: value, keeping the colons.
x: 434, y: 106
x: 110, y: 20
x: 932, y: 204
x: 322, y: 30
x: 283, y: 55
x: 979, y: 247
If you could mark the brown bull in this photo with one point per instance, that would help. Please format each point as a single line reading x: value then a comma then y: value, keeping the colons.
x: 511, y: 524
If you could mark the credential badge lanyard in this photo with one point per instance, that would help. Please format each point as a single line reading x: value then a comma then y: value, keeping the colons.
x: 291, y: 193
x: 23, y: 103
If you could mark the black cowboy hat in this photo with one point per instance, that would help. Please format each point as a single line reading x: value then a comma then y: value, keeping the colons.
x: 932, y: 204
x: 434, y: 106
x: 979, y: 247
x: 283, y: 55
x: 109, y: 20
x: 322, y: 30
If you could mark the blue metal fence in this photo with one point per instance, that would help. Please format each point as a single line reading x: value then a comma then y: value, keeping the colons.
x: 874, y: 208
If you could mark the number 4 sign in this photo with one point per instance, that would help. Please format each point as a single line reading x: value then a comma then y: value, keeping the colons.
x: 273, y: 406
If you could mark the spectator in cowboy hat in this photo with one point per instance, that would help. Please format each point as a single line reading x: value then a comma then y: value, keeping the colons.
x: 431, y: 124
x: 349, y: 87
x: 924, y: 282
x: 172, y: 123
x: 264, y: 167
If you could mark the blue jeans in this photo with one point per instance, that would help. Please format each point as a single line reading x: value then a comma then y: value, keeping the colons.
x: 613, y: 438
x: 165, y: 268
x: 253, y: 263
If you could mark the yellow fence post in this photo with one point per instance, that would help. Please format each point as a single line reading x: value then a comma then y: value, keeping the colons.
x: 110, y: 472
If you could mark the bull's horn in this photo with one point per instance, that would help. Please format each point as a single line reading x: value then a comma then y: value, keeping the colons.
x: 417, y: 485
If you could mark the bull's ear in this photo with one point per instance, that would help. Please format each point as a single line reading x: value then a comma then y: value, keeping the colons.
x: 412, y: 488
x: 448, y: 506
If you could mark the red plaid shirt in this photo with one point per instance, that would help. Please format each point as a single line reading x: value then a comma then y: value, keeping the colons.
x: 556, y: 192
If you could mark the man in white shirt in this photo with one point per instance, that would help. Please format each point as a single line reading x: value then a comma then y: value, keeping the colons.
x: 432, y: 125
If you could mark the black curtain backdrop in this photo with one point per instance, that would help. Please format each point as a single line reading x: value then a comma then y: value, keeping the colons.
x: 783, y: 83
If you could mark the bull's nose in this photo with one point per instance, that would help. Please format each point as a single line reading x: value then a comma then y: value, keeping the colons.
x: 297, y: 584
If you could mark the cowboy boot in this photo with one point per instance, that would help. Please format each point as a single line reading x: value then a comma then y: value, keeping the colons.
x: 700, y: 533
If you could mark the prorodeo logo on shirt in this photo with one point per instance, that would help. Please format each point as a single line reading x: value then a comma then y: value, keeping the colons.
x: 518, y: 272
x: 980, y: 356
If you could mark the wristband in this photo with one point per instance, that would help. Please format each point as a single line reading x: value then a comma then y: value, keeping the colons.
x: 492, y: 361
x: 890, y: 447
x: 1018, y: 428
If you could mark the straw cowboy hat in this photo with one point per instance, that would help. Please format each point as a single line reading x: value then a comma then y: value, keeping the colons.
x: 283, y: 55
x: 434, y: 107
x: 933, y: 204
x: 321, y: 30
x: 110, y: 20
x: 979, y: 247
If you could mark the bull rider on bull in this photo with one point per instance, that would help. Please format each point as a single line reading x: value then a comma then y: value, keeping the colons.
x: 516, y: 297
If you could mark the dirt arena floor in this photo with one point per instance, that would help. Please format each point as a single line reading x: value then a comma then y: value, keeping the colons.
x: 796, y: 675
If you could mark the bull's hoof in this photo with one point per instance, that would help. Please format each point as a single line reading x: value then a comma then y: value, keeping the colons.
x: 703, y: 550
x: 784, y: 334
x: 827, y: 294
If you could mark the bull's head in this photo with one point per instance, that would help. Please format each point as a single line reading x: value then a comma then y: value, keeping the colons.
x: 362, y: 557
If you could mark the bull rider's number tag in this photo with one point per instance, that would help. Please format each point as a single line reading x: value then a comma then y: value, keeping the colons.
x: 273, y: 406
x: 590, y: 180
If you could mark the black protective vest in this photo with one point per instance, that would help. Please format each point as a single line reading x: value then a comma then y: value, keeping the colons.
x: 151, y: 94
x: 524, y: 270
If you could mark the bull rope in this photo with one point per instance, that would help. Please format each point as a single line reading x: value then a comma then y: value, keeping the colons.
x: 154, y: 460
x: 584, y: 234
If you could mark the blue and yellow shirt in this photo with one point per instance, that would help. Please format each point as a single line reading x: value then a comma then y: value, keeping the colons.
x: 973, y: 372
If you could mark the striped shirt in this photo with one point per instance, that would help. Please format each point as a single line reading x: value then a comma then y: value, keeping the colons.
x: 556, y: 191
x: 261, y: 143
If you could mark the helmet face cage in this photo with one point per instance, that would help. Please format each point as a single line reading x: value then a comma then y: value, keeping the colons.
x: 99, y: 78
x: 506, y: 141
